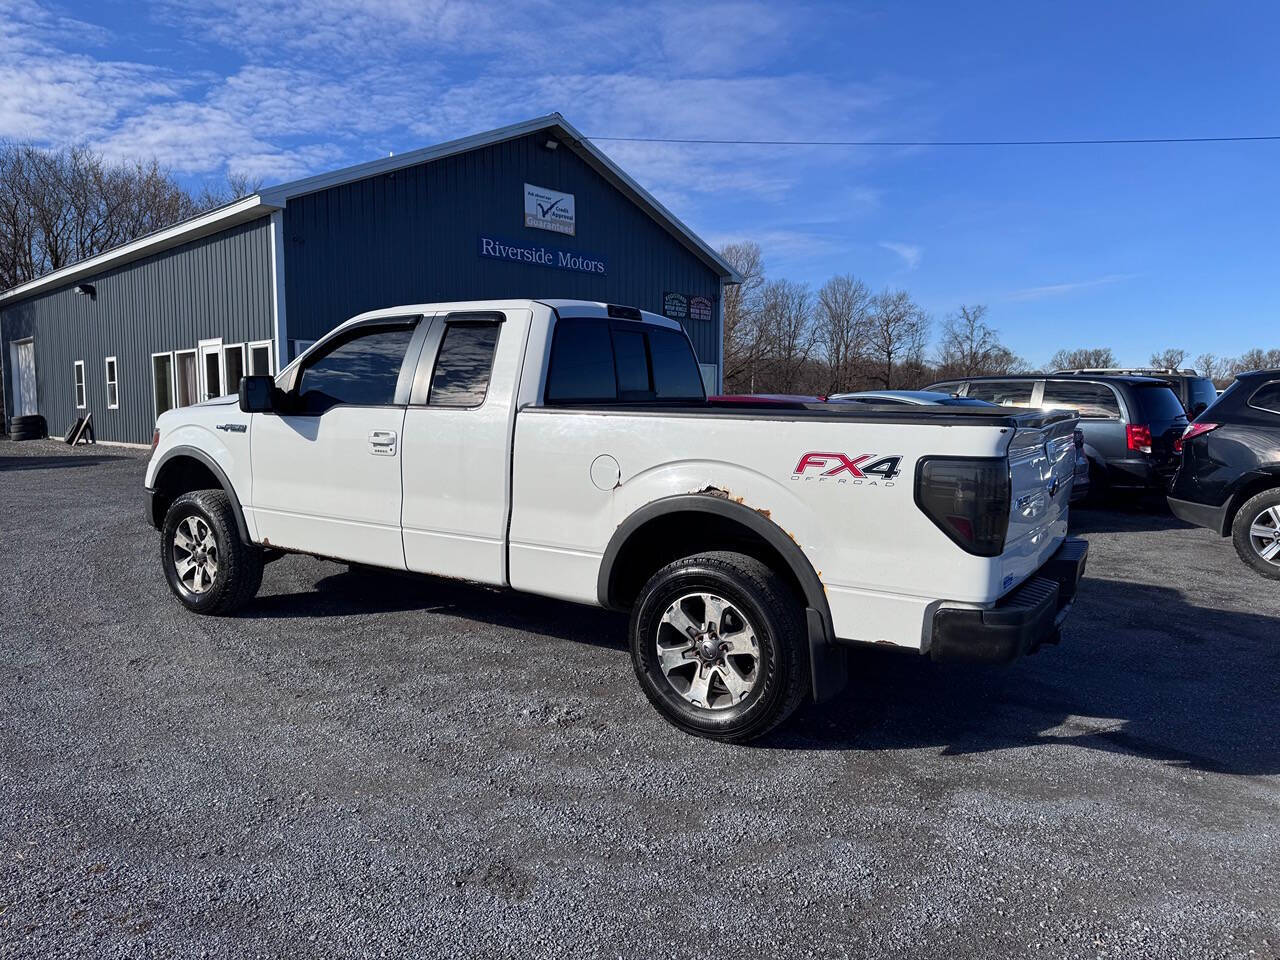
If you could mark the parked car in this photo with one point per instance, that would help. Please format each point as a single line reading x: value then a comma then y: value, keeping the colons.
x: 912, y: 397
x: 1193, y: 391
x: 1229, y: 480
x: 1131, y: 425
x: 1080, y: 482
x: 566, y: 448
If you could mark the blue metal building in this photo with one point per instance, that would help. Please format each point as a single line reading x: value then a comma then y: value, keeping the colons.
x: 529, y: 210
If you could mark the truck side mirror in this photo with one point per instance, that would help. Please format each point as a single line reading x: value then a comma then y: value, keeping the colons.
x: 258, y: 394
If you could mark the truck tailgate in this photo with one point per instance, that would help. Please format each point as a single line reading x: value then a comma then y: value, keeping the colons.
x: 1041, y: 469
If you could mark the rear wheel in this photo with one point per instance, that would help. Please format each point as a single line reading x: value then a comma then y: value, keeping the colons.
x: 719, y: 647
x: 1256, y: 533
x: 209, y: 568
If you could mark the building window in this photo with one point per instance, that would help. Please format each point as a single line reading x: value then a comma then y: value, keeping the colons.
x: 80, y: 401
x: 234, y: 366
x: 461, y: 377
x: 162, y: 381
x: 260, y: 364
x: 185, y: 386
x: 113, y: 384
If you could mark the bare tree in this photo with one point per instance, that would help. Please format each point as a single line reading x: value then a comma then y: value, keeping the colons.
x: 1083, y: 358
x: 234, y: 187
x: 58, y: 207
x: 1170, y: 359
x: 1255, y: 359
x: 741, y: 310
x: 788, y: 335
x: 897, y: 332
x: 970, y: 348
x: 1212, y: 366
x: 842, y: 328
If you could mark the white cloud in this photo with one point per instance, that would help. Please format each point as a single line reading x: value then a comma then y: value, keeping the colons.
x: 910, y: 253
x: 1061, y: 289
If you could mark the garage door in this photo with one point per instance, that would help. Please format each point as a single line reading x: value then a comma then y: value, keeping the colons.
x: 24, y: 378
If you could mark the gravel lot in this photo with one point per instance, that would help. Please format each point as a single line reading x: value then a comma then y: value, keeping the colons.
x: 372, y: 765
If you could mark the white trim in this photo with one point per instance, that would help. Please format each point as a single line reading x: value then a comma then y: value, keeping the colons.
x: 248, y: 208
x: 195, y: 359
x: 14, y: 365
x: 80, y: 386
x: 279, y: 314
x: 270, y: 348
x: 106, y: 371
x: 173, y: 382
x: 203, y: 349
x: 122, y: 443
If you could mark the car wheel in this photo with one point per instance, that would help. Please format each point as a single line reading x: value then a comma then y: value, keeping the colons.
x: 1256, y: 533
x: 719, y: 647
x: 209, y: 568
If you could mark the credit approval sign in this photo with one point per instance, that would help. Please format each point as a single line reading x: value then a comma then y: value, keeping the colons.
x: 546, y: 209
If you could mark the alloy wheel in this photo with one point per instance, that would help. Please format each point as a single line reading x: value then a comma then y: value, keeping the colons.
x: 195, y: 554
x: 708, y: 652
x: 1264, y: 535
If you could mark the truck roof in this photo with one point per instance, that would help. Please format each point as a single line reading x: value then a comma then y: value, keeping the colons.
x: 577, y: 308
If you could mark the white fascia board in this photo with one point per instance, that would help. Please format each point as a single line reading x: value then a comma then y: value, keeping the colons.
x: 247, y: 208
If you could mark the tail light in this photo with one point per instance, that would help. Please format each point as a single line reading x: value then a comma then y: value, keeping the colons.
x: 1138, y: 437
x: 155, y: 439
x: 968, y: 500
x: 1196, y: 429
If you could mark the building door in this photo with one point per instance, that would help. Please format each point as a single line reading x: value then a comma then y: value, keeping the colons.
x: 326, y: 470
x: 23, y: 359
x: 212, y: 383
x: 186, y: 383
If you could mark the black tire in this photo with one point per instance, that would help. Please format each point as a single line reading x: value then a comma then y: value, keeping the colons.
x: 238, y: 565
x: 1262, y: 510
x: 32, y: 422
x: 26, y: 435
x: 775, y: 616
x: 1098, y: 492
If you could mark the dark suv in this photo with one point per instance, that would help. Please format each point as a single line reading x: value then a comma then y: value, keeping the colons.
x: 1229, y: 480
x: 1132, y: 426
x: 1194, y: 391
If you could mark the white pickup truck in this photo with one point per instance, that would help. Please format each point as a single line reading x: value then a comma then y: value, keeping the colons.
x: 567, y: 448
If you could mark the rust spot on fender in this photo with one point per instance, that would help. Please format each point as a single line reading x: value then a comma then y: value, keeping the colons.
x: 764, y: 513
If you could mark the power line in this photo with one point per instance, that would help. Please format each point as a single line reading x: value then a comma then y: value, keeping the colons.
x: 935, y: 143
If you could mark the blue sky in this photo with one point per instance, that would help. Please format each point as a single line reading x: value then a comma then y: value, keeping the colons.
x: 1133, y: 247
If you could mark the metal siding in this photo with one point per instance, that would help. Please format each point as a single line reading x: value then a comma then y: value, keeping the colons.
x: 218, y: 286
x: 413, y: 236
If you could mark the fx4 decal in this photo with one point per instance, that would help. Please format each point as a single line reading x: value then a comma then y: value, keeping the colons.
x: 862, y: 469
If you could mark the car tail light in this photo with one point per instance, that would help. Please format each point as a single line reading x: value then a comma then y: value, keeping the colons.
x: 1138, y: 437
x: 968, y: 500
x: 1196, y: 429
x: 155, y: 439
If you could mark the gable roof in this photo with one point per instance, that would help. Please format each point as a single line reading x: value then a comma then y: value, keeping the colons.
x: 273, y: 198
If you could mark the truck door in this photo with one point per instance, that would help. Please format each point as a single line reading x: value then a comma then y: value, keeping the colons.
x: 457, y: 445
x: 326, y: 470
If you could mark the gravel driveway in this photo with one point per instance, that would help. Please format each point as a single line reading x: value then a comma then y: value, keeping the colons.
x: 372, y: 765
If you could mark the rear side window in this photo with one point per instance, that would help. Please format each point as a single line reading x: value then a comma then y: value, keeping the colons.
x: 1006, y: 393
x: 363, y: 370
x: 1201, y: 393
x: 1093, y: 401
x: 461, y: 377
x: 1159, y: 403
x: 1267, y: 397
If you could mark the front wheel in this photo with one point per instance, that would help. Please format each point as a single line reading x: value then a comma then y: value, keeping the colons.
x: 209, y: 568
x: 719, y: 646
x: 1256, y: 533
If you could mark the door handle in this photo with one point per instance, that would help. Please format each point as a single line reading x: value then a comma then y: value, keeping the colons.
x: 382, y: 443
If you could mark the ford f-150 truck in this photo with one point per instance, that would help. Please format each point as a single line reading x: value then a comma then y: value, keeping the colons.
x: 568, y: 449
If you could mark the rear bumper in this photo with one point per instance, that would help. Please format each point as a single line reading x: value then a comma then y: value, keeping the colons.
x: 1021, y: 621
x: 1141, y: 474
x: 1201, y: 514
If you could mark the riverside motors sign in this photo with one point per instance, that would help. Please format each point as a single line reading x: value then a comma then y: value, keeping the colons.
x: 538, y: 255
x: 552, y: 210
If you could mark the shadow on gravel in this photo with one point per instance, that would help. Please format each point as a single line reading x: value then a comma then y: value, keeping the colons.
x: 1126, y: 516
x: 52, y: 463
x: 1141, y: 671
x: 361, y: 591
